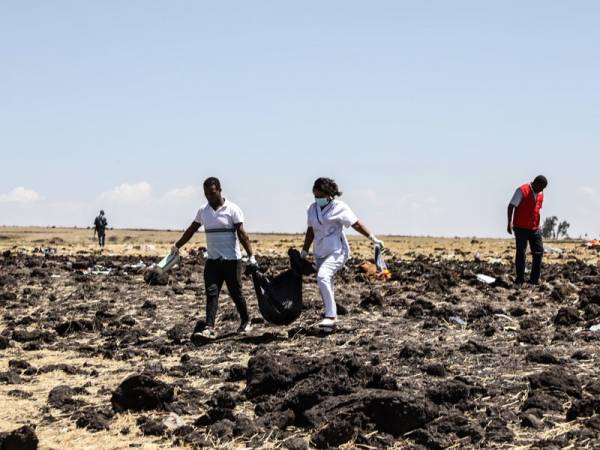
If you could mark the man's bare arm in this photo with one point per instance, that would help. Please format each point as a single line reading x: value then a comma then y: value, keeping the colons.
x: 509, y: 213
x: 188, y: 234
x: 243, y: 237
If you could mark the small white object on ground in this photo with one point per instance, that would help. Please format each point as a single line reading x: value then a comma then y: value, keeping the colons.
x: 485, y: 278
x: 98, y: 270
x: 595, y: 327
x: 135, y: 267
x: 549, y: 249
x: 173, y: 422
x: 457, y: 319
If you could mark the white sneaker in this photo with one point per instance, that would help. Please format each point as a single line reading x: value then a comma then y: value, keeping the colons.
x: 327, y: 323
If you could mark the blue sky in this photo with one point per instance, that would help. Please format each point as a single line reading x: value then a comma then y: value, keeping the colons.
x: 429, y: 114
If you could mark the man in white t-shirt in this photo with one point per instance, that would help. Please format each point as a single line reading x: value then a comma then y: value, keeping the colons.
x: 223, y: 224
x: 327, y: 218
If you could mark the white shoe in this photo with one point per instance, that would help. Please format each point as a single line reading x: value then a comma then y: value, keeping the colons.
x: 327, y: 323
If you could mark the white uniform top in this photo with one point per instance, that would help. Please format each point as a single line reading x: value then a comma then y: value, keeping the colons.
x: 517, y: 197
x: 219, y: 226
x: 328, y: 225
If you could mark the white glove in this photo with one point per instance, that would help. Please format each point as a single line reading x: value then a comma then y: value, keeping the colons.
x: 252, y: 261
x: 376, y: 241
x: 174, y: 251
x: 303, y: 254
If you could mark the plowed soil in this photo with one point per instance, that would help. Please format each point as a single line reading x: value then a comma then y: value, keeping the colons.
x: 432, y: 358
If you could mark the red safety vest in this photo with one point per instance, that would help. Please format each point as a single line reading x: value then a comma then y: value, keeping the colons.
x: 527, y: 214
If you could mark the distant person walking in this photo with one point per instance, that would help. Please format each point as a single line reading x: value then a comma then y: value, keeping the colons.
x: 100, y: 224
x: 327, y: 217
x: 223, y: 224
x: 524, y: 219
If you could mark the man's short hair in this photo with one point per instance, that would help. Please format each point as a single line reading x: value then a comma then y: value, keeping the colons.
x: 212, y: 181
x: 541, y: 180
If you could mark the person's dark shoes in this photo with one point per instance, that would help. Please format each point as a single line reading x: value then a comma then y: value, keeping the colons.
x: 203, y: 336
x: 518, y: 286
x: 245, y: 327
x: 208, y: 333
x: 200, y: 326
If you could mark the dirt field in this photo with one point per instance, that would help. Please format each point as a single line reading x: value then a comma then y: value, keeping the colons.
x: 432, y: 358
x: 145, y: 243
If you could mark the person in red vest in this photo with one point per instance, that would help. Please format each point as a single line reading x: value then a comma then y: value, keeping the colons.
x: 526, y: 205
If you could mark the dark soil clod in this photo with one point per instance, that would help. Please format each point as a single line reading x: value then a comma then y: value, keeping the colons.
x: 141, y: 393
x: 23, y: 438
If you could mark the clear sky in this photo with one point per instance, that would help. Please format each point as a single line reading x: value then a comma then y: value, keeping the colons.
x: 428, y: 114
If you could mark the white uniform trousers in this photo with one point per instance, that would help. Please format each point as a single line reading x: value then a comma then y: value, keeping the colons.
x: 326, y: 270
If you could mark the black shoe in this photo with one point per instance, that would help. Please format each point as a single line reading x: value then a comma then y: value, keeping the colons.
x: 203, y: 337
x: 200, y: 326
x: 245, y: 327
x: 208, y: 333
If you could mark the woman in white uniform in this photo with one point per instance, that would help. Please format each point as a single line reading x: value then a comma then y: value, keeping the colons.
x: 327, y: 218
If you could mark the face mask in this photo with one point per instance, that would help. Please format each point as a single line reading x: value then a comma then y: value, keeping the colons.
x: 322, y: 202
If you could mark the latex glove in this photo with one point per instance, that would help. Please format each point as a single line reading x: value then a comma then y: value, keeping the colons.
x: 174, y: 251
x: 376, y: 241
x: 252, y: 261
x: 303, y: 254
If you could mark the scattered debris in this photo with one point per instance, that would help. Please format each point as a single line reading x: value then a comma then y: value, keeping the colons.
x: 594, y: 244
x: 457, y: 320
x: 376, y: 269
x: 46, y: 251
x: 485, y: 278
x: 135, y: 268
x: 555, y: 250
x: 98, y: 269
x: 173, y: 422
x: 401, y: 363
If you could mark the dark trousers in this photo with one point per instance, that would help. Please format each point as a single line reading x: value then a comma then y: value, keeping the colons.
x: 534, y: 238
x: 101, y: 237
x: 217, y: 271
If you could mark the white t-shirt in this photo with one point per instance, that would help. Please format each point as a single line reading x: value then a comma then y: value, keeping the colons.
x: 328, y: 225
x: 517, y: 197
x: 219, y: 226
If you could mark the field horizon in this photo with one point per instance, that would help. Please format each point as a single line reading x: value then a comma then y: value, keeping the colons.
x: 157, y: 242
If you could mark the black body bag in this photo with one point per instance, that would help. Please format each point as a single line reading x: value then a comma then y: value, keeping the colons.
x: 280, y: 297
